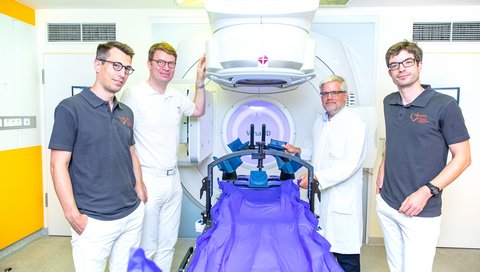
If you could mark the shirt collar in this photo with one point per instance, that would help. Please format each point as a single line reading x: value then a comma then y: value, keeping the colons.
x: 325, y: 117
x: 421, y: 101
x: 96, y: 101
x: 92, y: 98
x: 151, y: 91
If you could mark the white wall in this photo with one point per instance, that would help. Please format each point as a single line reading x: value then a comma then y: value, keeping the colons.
x: 393, y: 25
x: 19, y: 78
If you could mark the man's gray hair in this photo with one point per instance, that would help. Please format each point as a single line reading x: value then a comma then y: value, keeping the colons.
x: 330, y: 78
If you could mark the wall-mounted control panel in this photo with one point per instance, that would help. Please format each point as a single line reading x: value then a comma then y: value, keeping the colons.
x: 17, y: 122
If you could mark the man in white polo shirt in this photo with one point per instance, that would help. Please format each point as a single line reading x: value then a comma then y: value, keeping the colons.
x: 158, y: 111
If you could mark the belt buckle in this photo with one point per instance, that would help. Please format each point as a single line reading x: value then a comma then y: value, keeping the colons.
x: 171, y: 172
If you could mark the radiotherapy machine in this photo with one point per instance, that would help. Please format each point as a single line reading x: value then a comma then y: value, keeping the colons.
x: 253, y: 80
x: 264, y: 64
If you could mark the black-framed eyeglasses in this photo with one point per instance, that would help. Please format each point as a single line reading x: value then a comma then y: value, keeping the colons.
x: 118, y: 66
x: 332, y: 93
x: 161, y: 63
x: 406, y: 63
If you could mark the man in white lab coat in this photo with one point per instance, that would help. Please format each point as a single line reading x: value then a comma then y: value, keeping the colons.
x: 339, y: 150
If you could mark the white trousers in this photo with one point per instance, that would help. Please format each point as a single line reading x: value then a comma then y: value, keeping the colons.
x: 102, y: 240
x: 410, y: 241
x: 162, y: 218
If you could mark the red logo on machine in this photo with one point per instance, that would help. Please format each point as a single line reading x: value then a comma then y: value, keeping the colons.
x: 263, y: 60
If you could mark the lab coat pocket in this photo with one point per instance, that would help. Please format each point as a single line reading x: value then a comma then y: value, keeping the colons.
x: 336, y: 150
x: 342, y: 199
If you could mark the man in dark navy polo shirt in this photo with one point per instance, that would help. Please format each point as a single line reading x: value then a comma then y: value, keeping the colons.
x: 95, y: 171
x: 422, y: 127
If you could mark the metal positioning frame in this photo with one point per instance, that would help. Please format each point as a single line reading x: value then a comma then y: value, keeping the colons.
x: 258, y: 151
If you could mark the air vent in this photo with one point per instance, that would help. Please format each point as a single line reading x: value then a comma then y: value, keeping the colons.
x: 81, y: 32
x: 98, y: 32
x: 64, y: 33
x: 431, y: 32
x: 466, y: 32
x: 351, y: 100
x: 446, y: 32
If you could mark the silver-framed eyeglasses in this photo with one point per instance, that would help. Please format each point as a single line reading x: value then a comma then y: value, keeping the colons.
x: 118, y: 66
x: 406, y: 63
x: 332, y: 93
x: 161, y: 63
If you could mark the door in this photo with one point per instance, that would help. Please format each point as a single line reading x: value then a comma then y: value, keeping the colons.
x: 62, y: 73
x: 460, y: 220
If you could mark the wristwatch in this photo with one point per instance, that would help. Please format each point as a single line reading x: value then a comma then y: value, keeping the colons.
x: 434, y: 190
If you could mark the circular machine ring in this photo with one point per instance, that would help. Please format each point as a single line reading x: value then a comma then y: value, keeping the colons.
x: 257, y: 110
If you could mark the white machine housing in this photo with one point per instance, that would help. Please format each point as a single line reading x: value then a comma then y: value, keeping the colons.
x: 260, y: 46
x: 196, y: 133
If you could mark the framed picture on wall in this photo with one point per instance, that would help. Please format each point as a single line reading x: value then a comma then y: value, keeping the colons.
x: 77, y: 89
x: 451, y: 91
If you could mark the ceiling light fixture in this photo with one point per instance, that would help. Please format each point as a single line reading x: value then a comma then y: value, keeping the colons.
x: 190, y: 3
x: 334, y: 2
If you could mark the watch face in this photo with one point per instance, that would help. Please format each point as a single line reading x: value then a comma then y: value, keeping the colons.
x: 433, y: 189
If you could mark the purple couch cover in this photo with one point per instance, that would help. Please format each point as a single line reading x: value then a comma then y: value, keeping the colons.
x: 266, y: 229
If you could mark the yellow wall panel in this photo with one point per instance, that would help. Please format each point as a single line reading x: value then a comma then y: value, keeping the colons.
x: 18, y: 11
x: 21, y: 194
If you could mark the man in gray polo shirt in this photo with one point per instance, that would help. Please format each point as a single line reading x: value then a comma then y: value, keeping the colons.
x: 422, y: 126
x: 95, y: 171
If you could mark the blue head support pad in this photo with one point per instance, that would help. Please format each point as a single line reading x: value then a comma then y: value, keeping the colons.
x: 230, y: 165
x: 258, y: 179
x: 284, y: 165
x: 289, y: 166
x: 277, y: 145
x: 237, y: 145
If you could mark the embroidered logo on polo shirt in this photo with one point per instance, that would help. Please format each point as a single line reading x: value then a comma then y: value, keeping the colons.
x: 125, y: 121
x: 420, y: 118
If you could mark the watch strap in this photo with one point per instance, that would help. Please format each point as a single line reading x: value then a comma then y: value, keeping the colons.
x: 434, y: 190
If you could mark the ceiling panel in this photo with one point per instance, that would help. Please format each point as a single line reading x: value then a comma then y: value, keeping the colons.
x: 171, y: 4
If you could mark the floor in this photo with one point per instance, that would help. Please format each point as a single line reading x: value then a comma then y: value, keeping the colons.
x: 53, y: 253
